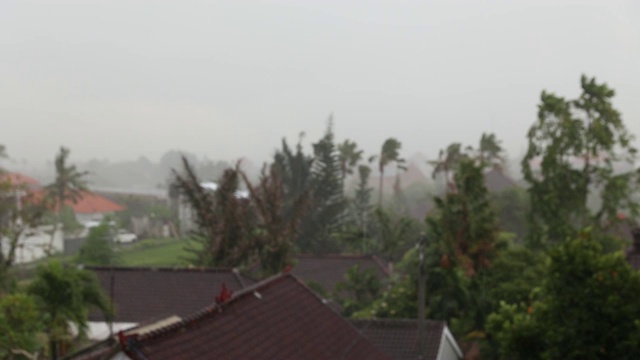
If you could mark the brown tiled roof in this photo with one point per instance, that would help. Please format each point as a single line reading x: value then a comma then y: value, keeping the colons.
x: 279, y: 318
x: 104, y: 350
x: 399, y: 337
x: 142, y: 294
x: 328, y: 270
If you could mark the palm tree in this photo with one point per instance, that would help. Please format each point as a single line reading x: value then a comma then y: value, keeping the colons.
x: 490, y: 151
x: 447, y: 160
x: 348, y: 157
x: 389, y: 153
x: 65, y: 295
x: 69, y: 185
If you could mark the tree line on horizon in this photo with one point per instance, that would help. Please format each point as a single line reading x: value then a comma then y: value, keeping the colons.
x: 531, y: 273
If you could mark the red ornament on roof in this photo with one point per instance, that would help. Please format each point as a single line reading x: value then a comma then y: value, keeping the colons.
x: 225, y: 294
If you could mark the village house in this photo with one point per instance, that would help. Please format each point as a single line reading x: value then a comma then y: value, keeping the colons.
x: 144, y: 294
x: 278, y: 318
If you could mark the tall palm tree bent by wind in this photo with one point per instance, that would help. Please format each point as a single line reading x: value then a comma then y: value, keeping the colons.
x: 68, y: 185
x: 389, y: 153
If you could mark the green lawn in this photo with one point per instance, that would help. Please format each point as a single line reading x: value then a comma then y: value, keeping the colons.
x: 154, y: 252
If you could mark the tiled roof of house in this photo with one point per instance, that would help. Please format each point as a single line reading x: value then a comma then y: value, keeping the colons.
x: 399, y: 337
x: 142, y: 294
x: 90, y: 203
x: 19, y: 179
x: 279, y: 318
x: 328, y: 270
x: 103, y: 350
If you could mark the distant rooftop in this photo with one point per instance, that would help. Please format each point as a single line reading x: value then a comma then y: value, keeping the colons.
x: 329, y: 270
x: 145, y: 293
x: 278, y: 318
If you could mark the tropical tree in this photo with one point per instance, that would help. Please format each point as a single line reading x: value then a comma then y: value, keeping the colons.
x: 348, y: 157
x: 97, y: 249
x: 295, y: 169
x: 68, y: 186
x: 17, y: 219
x: 446, y: 162
x: 275, y: 232
x: 465, y: 225
x: 224, y: 222
x: 587, y: 308
x: 358, y: 290
x: 490, y: 151
x: 327, y: 212
x: 392, y: 231
x: 65, y: 295
x: 19, y: 325
x: 389, y: 153
x: 580, y: 146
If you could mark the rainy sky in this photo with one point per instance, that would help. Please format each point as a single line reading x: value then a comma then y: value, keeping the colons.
x: 116, y: 79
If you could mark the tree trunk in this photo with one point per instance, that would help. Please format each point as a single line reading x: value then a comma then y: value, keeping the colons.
x: 381, y: 184
x: 54, y: 349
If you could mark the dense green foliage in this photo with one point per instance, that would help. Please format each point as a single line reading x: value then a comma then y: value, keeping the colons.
x: 530, y: 273
x: 587, y: 308
x: 98, y: 247
x: 578, y: 144
x: 64, y: 295
x: 358, y: 290
x: 326, y: 216
x: 19, y: 324
x: 223, y: 220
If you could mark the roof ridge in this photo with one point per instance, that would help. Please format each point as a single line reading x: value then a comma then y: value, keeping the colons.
x: 399, y: 321
x: 163, y: 268
x: 212, y: 309
x: 336, y: 256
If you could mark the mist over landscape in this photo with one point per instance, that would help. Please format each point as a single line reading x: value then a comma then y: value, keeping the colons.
x: 279, y: 179
x: 116, y: 80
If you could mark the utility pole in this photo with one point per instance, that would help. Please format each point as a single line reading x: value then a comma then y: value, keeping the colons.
x: 421, y: 295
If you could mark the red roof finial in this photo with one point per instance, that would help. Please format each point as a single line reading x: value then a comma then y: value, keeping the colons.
x: 225, y: 294
x: 287, y: 269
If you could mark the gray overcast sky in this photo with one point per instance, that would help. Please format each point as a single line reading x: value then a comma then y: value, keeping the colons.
x: 117, y: 79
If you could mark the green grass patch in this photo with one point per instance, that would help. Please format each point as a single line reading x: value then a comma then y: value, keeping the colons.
x: 154, y: 252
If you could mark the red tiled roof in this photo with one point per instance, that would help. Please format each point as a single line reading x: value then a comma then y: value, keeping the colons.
x: 141, y: 294
x: 90, y: 203
x: 328, y: 270
x: 20, y: 179
x: 399, y: 337
x: 279, y: 318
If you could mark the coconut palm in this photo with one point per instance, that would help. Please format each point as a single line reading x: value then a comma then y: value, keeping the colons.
x: 65, y: 295
x: 69, y: 185
x: 490, y: 151
x: 348, y: 157
x: 389, y: 153
x: 447, y: 160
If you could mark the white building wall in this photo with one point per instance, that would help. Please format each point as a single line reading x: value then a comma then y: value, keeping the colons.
x: 449, y: 349
x: 33, y: 244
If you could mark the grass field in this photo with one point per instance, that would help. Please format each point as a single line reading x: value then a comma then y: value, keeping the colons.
x: 154, y: 252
